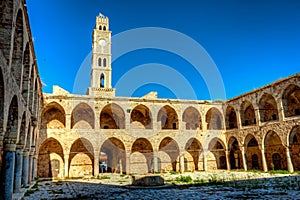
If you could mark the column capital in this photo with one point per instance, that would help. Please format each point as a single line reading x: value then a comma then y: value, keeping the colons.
x: 10, y: 147
x: 20, y: 146
x: 34, y: 121
x: 25, y: 153
x: 66, y: 156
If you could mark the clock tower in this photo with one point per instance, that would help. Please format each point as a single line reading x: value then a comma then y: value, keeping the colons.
x: 101, y: 59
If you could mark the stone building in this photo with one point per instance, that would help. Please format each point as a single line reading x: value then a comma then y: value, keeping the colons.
x: 21, y: 99
x: 81, y: 135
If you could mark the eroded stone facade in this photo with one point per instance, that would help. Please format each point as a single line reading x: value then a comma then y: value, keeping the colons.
x: 84, y: 134
x: 21, y: 99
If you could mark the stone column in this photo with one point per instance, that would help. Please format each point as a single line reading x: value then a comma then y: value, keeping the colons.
x: 244, y: 158
x: 227, y: 153
x: 205, y: 167
x: 180, y: 125
x: 96, y: 163
x: 289, y: 160
x: 25, y: 169
x: 8, y: 164
x: 238, y: 118
x: 181, y: 164
x: 121, y: 167
x: 257, y: 115
x: 280, y: 109
x: 97, y: 120
x: 204, y: 125
x: 18, y: 170
x: 128, y: 163
x: 66, y: 165
x: 264, y: 161
x: 68, y: 121
x: 127, y: 119
x: 34, y: 167
x: 30, y: 168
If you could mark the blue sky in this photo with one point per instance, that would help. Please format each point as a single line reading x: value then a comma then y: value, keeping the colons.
x: 252, y: 42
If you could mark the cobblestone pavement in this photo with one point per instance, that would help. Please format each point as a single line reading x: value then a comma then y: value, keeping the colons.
x: 285, y: 188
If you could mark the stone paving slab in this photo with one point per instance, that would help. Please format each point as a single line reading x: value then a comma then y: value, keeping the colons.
x: 103, y: 189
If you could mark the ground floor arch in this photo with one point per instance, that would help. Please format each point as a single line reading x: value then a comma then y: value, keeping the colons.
x: 169, y: 154
x: 235, y: 154
x: 216, y: 156
x: 141, y: 157
x: 294, y: 145
x: 193, y: 160
x: 50, y: 159
x: 275, y: 152
x: 253, y: 153
x: 112, y: 156
x: 81, y: 158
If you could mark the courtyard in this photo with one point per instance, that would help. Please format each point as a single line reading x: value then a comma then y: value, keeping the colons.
x: 196, y: 185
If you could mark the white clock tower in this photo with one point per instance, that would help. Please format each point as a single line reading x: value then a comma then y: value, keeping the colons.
x: 101, y: 59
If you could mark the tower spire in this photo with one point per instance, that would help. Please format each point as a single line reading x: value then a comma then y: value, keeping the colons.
x: 101, y: 71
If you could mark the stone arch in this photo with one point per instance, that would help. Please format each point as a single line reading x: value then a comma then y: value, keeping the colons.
x: 6, y: 14
x: 22, y: 135
x: 53, y: 116
x: 231, y: 118
x: 168, y: 118
x: 112, y: 116
x: 253, y: 153
x: 214, y: 119
x: 192, y: 119
x: 83, y: 117
x: 26, y: 73
x: 216, y: 154
x: 294, y: 145
x: 102, y: 81
x: 104, y: 62
x: 28, y: 137
x: 81, y: 158
x: 31, y: 88
x: 194, y: 148
x: 50, y: 152
x: 99, y: 62
x: 268, y: 108
x: 141, y: 117
x: 16, y: 64
x: 35, y: 98
x: 273, y: 145
x: 113, y: 156
x: 235, y: 154
x: 291, y: 100
x: 12, y: 121
x: 247, y: 113
x: 141, y: 156
x: 168, y: 154
x: 2, y: 93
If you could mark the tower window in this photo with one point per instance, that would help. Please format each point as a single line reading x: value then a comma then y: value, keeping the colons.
x: 99, y: 62
x: 102, y: 81
x: 100, y: 28
x: 104, y: 28
x: 104, y: 62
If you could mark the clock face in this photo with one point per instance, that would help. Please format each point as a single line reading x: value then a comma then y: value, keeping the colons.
x: 102, y: 42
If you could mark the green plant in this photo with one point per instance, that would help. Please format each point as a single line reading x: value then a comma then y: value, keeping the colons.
x: 213, y: 178
x: 122, y: 175
x: 28, y: 192
x: 279, y: 172
x: 173, y: 172
x: 199, y: 181
x: 186, y: 179
x: 103, y: 177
